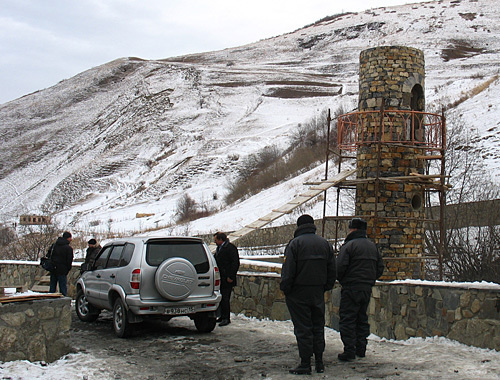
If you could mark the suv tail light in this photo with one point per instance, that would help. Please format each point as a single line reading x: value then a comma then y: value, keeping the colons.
x: 217, y: 276
x: 135, y: 279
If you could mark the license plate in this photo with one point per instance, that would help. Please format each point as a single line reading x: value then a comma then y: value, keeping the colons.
x: 179, y: 310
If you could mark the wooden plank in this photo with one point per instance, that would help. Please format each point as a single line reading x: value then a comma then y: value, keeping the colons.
x: 258, y: 223
x: 285, y: 209
x: 434, y: 157
x: 242, y: 232
x: 309, y: 194
x: 28, y: 297
x: 321, y: 187
x: 41, y: 288
x: 271, y: 216
x: 288, y: 207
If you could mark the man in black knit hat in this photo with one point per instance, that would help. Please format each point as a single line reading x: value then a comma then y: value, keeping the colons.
x: 61, y: 254
x: 307, y: 272
x: 359, y: 265
x: 92, y: 252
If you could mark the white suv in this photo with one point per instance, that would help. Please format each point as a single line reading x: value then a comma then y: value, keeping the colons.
x: 143, y: 277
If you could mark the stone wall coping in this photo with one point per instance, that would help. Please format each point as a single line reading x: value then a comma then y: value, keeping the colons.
x: 24, y: 262
x: 260, y: 263
x: 483, y: 285
x: 261, y: 274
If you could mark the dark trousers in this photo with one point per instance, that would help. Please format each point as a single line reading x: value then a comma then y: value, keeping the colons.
x: 306, y: 305
x: 354, y: 327
x: 225, y: 303
x: 63, y: 283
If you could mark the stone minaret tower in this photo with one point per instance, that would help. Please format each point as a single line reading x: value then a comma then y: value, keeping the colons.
x: 391, y: 79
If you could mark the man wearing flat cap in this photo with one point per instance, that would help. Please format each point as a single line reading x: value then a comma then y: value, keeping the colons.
x: 359, y: 265
x: 308, y: 271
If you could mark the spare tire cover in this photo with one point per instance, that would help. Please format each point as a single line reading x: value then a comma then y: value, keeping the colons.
x: 175, y: 278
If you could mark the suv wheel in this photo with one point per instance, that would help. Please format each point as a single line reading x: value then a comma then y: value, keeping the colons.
x: 176, y: 278
x: 121, y: 325
x: 84, y: 310
x: 204, y: 322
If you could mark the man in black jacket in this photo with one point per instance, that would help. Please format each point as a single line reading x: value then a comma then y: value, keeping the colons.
x: 228, y: 262
x: 61, y: 255
x: 359, y: 265
x: 91, y: 254
x: 307, y: 272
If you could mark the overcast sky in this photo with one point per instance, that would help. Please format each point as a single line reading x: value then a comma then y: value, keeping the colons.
x: 45, y: 41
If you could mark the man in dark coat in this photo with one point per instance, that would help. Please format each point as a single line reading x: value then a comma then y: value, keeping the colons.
x: 61, y: 255
x: 359, y: 265
x: 307, y: 272
x: 228, y: 262
x: 91, y: 254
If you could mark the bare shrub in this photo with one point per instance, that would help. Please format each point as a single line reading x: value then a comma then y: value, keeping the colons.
x: 473, y: 254
x: 471, y: 246
x: 188, y: 209
x: 31, y: 242
x: 186, y: 206
x: 7, y: 235
x: 270, y: 166
x: 312, y: 133
x: 257, y: 162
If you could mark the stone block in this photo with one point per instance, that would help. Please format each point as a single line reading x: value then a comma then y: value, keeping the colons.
x: 14, y: 319
x: 436, y: 294
x: 475, y: 306
x: 465, y: 299
x: 467, y: 313
x: 410, y: 332
x: 490, y: 308
x: 450, y: 316
x: 279, y: 312
x: 400, y: 332
x: 254, y: 289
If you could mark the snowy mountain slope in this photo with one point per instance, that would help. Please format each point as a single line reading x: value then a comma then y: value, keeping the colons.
x: 133, y: 136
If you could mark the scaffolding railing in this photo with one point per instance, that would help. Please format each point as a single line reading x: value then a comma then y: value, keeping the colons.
x: 421, y: 129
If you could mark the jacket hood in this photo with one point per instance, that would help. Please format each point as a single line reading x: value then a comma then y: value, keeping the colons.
x: 356, y: 235
x: 308, y: 228
x: 62, y: 241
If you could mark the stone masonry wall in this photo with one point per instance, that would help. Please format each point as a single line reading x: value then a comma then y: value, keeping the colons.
x: 26, y: 273
x: 397, y: 310
x: 35, y: 330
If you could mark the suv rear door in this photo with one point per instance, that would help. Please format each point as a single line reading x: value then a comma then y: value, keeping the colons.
x: 176, y: 251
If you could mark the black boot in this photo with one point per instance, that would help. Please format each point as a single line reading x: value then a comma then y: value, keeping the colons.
x: 361, y: 353
x: 304, y: 368
x: 346, y: 356
x: 320, y: 367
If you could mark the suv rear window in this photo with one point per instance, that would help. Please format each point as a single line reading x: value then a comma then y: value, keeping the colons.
x: 159, y: 251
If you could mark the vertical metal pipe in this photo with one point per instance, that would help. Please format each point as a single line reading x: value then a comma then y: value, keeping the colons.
x: 442, y: 198
x: 327, y: 157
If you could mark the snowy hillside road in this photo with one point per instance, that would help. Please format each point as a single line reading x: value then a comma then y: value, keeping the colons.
x: 246, y: 349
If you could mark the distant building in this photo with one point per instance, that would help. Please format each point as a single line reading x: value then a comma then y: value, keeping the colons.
x: 26, y: 220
